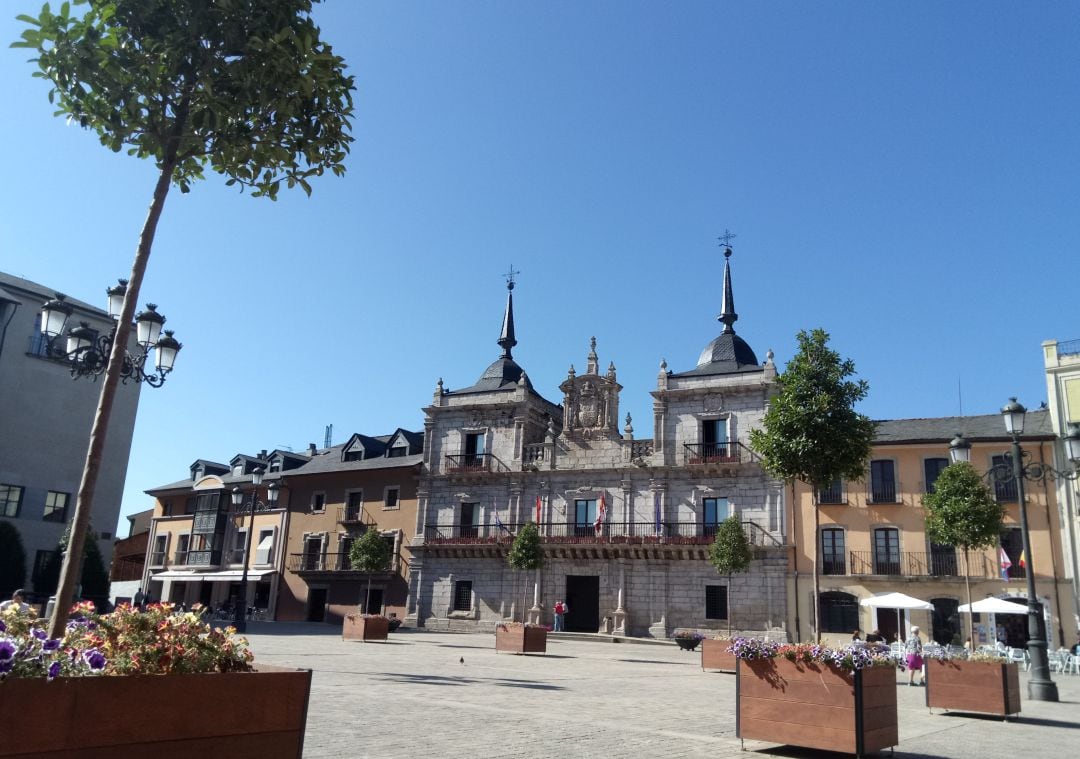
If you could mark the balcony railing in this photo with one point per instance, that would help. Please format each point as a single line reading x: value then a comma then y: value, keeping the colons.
x: 716, y: 453
x: 350, y: 514
x: 641, y: 449
x: 1068, y: 348
x: 916, y: 564
x: 533, y: 454
x: 157, y: 559
x: 471, y: 462
x: 833, y: 495
x: 204, y: 558
x: 686, y: 533
x: 180, y: 558
x: 328, y: 562
x: 1005, y: 491
x: 883, y: 492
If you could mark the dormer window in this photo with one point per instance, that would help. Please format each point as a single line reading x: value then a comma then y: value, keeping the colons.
x: 356, y: 455
x: 397, y: 451
x: 275, y: 466
x: 238, y: 470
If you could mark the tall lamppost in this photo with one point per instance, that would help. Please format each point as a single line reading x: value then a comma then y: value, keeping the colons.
x: 92, y: 355
x: 1040, y: 686
x: 239, y: 613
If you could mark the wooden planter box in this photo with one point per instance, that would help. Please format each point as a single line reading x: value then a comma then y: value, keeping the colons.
x: 357, y: 627
x: 816, y: 706
x: 521, y: 640
x: 973, y: 686
x: 236, y: 714
x: 714, y: 655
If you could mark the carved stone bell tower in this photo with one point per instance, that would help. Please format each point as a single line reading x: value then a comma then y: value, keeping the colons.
x: 591, y: 402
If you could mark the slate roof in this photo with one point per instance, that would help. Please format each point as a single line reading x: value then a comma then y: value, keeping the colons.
x: 727, y: 354
x: 985, y: 427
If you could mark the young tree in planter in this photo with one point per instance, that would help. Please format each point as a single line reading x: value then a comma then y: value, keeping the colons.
x: 248, y: 89
x: 369, y: 554
x: 12, y: 560
x: 730, y: 554
x: 962, y: 512
x: 811, y: 430
x: 525, y: 554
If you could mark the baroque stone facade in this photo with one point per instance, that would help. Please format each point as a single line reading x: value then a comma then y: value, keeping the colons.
x: 626, y: 524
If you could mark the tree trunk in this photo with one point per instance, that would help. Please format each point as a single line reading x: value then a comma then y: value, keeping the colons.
x: 730, y: 614
x: 795, y: 561
x: 80, y: 523
x: 967, y: 585
x: 524, y: 594
x: 814, y: 556
x: 367, y: 596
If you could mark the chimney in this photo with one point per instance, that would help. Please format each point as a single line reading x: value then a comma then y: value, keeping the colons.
x: 262, y: 455
x: 311, y: 449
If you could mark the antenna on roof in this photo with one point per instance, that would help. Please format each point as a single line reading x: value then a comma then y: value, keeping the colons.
x: 960, y: 394
x: 328, y: 436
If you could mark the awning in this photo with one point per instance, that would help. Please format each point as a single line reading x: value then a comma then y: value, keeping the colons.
x: 231, y: 575
x: 995, y: 606
x: 895, y: 601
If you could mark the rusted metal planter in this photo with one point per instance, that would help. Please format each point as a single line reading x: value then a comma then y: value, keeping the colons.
x: 816, y: 706
x: 518, y: 639
x: 358, y: 627
x: 973, y: 686
x: 236, y: 714
x: 715, y: 656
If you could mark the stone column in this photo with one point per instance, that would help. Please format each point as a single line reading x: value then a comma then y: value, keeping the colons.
x: 536, y: 613
x: 413, y: 617
x: 619, y: 616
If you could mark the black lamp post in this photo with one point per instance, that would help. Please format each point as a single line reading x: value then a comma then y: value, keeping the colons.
x: 240, y: 612
x: 1040, y: 686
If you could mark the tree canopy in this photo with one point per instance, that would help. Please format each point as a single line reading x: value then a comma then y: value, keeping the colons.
x: 525, y: 552
x: 370, y: 553
x: 245, y: 87
x: 730, y: 551
x: 811, y: 431
x: 962, y: 511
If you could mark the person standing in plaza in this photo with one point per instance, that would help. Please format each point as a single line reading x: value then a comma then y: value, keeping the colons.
x: 138, y: 600
x: 913, y: 649
x: 560, y: 610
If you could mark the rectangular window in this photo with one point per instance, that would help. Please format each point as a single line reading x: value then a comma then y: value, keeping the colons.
x: 354, y: 506
x: 239, y: 542
x: 312, y: 553
x: 390, y: 498
x: 264, y: 549
x: 839, y: 612
x: 55, y: 507
x: 886, y: 551
x: 714, y: 439
x: 157, y: 556
x: 584, y: 516
x: 474, y: 450
x: 397, y: 451
x: 190, y: 505
x: 834, y: 494
x: 41, y: 561
x: 183, y: 544
x: 943, y: 561
x: 470, y: 520
x: 715, y: 602
x: 1004, y: 488
x: 833, y: 556
x: 1012, y: 542
x: 932, y: 468
x: 318, y: 502
x: 882, y: 481
x: 714, y: 511
x: 10, y: 500
x: 463, y: 595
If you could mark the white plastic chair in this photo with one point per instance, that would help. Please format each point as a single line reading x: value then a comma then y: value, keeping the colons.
x: 896, y: 651
x: 1071, y: 664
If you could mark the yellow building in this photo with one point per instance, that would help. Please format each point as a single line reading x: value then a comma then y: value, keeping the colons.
x: 871, y: 539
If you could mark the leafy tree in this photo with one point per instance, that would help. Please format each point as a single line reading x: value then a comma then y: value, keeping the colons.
x: 963, y: 513
x: 811, y: 431
x: 12, y: 559
x: 94, y: 579
x: 247, y: 88
x: 370, y: 554
x: 525, y: 554
x: 730, y: 553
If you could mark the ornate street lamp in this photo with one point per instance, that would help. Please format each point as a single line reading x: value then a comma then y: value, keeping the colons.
x: 87, y: 352
x: 1016, y: 469
x: 239, y: 613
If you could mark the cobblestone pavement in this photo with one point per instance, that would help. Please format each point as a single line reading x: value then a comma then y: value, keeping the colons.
x: 414, y: 696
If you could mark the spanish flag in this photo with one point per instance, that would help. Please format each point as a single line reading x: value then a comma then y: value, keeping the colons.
x: 1022, y: 561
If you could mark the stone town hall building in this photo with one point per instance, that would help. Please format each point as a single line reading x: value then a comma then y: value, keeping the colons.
x: 625, y: 523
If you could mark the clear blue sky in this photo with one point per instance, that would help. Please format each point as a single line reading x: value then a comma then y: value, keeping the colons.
x: 904, y: 175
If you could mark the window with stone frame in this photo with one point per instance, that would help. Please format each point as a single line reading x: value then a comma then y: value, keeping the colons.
x: 833, y: 554
x: 56, y: 504
x: 883, y: 481
x: 714, y: 511
x: 390, y: 497
x: 932, y: 469
x: 716, y: 602
x: 839, y: 612
x: 10, y: 500
x: 462, y: 595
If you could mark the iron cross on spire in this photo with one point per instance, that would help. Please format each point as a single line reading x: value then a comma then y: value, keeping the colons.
x: 726, y: 238
x: 510, y: 277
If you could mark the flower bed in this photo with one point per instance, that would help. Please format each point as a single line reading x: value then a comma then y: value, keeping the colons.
x: 142, y: 684
x: 811, y: 696
x: 715, y: 655
x: 990, y: 687
x: 365, y: 627
x: 517, y: 638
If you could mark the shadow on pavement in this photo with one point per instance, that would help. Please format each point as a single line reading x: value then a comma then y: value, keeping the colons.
x: 659, y: 661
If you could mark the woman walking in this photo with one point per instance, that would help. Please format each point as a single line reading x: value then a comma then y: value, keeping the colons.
x: 913, y: 649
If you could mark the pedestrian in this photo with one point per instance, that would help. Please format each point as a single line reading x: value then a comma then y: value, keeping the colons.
x: 855, y: 636
x: 18, y: 600
x: 138, y: 600
x: 560, y: 610
x: 913, y: 649
x: 875, y: 636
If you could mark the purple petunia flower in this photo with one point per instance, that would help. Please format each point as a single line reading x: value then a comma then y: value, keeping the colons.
x: 54, y: 670
x: 39, y: 634
x: 52, y: 644
x: 94, y: 659
x: 3, y: 627
x: 8, y: 649
x: 6, y: 666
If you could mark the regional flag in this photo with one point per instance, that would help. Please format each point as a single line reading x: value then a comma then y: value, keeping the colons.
x: 1005, y: 563
x: 1022, y: 561
x: 538, y: 502
x: 656, y: 513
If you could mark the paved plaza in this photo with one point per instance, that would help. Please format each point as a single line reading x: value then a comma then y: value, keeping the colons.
x: 413, y: 696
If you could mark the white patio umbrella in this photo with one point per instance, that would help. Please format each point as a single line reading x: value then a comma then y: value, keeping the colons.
x: 896, y: 601
x: 994, y: 606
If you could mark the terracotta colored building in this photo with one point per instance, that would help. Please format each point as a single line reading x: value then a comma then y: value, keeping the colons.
x: 872, y: 539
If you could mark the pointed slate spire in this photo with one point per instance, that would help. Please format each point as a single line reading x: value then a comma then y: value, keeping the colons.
x: 727, y: 309
x: 506, y: 339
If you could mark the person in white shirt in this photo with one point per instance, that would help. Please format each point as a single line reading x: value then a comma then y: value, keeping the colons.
x: 18, y: 599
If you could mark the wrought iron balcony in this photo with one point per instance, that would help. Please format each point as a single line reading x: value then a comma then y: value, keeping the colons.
x: 471, y: 462
x: 327, y: 562
x: 716, y: 453
x: 671, y: 533
x: 883, y: 492
x: 157, y: 559
x: 351, y: 514
x: 915, y: 564
x: 204, y: 558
